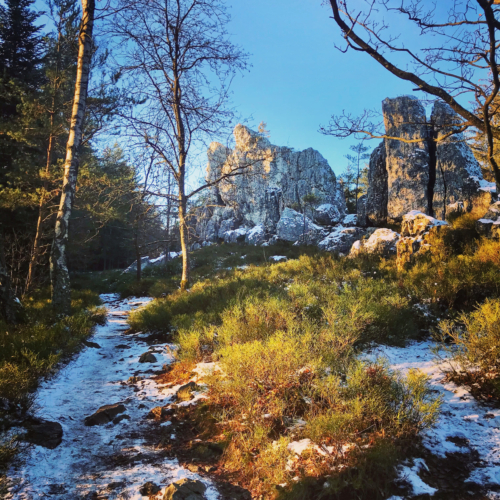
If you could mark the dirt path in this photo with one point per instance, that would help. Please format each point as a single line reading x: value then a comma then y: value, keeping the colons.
x: 103, y: 461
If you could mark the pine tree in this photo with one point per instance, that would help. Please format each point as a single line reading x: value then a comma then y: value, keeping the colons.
x: 21, y: 45
x: 21, y: 51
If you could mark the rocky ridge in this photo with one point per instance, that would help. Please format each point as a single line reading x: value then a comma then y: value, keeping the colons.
x: 266, y: 195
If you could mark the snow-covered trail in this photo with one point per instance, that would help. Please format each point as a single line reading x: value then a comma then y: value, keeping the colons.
x: 464, y: 424
x: 104, y: 461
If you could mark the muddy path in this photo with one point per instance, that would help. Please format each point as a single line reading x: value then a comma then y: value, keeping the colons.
x: 114, y: 459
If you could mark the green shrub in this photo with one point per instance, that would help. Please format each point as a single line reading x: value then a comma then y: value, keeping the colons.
x: 31, y: 350
x: 476, y: 338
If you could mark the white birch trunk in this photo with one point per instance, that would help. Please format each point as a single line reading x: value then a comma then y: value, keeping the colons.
x: 61, y: 295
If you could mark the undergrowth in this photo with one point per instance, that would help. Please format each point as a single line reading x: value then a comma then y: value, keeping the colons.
x: 286, y: 337
x: 472, y: 345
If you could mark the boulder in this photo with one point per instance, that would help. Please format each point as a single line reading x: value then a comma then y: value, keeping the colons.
x: 416, y: 223
x: 341, y: 239
x: 256, y: 235
x: 293, y: 226
x: 104, y: 414
x: 160, y: 412
x: 327, y: 214
x: 185, y: 489
x: 185, y: 393
x: 418, y: 232
x: 489, y: 228
x: 149, y: 488
x: 236, y: 235
x: 147, y: 357
x: 44, y: 433
x: 382, y: 242
x: 350, y: 220
x: 493, y: 211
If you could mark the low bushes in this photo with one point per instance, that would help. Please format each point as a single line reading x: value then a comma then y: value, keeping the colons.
x: 287, y: 337
x: 298, y: 385
x: 474, y: 355
x: 30, y: 350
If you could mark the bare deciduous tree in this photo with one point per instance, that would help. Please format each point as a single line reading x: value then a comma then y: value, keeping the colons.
x: 179, y: 57
x: 454, y: 57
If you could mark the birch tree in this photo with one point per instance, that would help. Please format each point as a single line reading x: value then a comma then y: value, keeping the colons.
x: 179, y: 57
x: 61, y: 294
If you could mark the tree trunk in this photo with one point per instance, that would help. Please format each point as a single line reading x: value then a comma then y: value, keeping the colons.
x: 9, y: 306
x: 138, y: 257
x: 169, y: 208
x: 61, y: 294
x: 184, y: 239
x: 41, y: 214
x: 357, y: 188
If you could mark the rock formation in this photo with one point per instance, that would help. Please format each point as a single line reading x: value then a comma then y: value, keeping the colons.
x: 407, y: 163
x: 417, y: 233
x: 382, y: 241
x: 489, y: 224
x: 269, y: 182
x: 376, y: 197
x: 418, y: 167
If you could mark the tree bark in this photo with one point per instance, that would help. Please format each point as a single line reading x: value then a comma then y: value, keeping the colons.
x: 61, y: 294
x: 184, y: 239
x: 138, y: 256
x: 9, y: 306
x: 41, y: 214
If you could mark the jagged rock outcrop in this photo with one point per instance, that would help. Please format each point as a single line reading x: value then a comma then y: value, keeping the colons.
x: 270, y: 179
x: 458, y: 173
x: 374, y: 211
x: 417, y: 167
x: 407, y: 163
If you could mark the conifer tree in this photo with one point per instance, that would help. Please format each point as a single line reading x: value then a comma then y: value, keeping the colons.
x: 21, y: 51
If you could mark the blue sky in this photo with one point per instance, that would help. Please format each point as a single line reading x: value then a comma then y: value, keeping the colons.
x: 299, y: 78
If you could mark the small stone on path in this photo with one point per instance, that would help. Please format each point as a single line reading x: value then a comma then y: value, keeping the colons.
x: 104, y: 414
x: 44, y: 433
x: 185, y: 489
x: 147, y: 357
x: 149, y: 488
x: 88, y: 343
